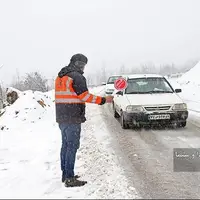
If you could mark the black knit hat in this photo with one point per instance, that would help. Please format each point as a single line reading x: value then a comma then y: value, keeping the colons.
x: 79, y: 57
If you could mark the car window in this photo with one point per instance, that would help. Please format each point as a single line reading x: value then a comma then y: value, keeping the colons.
x: 112, y: 79
x: 148, y: 85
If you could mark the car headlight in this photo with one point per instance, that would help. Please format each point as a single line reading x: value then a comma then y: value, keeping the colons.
x: 180, y: 106
x: 131, y: 109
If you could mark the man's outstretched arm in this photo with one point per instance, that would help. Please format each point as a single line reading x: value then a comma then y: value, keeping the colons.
x: 81, y: 89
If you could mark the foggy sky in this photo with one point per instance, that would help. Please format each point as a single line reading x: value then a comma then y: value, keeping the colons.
x: 43, y: 34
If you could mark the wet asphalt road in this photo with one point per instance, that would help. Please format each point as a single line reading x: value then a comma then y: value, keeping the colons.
x: 147, y: 158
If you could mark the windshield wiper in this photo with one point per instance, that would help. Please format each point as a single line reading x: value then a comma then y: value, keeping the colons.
x: 159, y: 91
x: 136, y: 93
x: 150, y: 92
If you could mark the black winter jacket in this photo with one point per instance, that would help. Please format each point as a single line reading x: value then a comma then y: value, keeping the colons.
x: 73, y: 113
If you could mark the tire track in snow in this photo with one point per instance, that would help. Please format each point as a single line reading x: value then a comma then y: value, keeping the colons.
x: 149, y: 155
x: 105, y: 172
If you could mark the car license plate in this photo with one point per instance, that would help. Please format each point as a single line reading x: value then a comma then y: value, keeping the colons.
x: 156, y: 117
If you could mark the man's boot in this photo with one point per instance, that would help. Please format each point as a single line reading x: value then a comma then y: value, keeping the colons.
x: 76, y: 176
x: 73, y: 182
x: 64, y: 177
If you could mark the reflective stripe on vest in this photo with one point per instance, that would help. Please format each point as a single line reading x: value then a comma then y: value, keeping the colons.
x: 87, y: 96
x: 72, y: 100
x: 68, y: 84
x: 94, y: 99
x: 64, y: 93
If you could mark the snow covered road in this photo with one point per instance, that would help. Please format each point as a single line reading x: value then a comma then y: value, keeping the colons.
x: 147, y: 158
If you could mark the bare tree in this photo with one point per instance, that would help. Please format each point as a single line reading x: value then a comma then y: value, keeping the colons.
x: 134, y: 70
x: 36, y: 82
x: 100, y: 76
x: 1, y: 97
x: 145, y: 69
x: 148, y: 68
x: 103, y: 74
x: 1, y: 94
x: 122, y: 69
x: 167, y: 69
x: 18, y: 84
x: 32, y: 81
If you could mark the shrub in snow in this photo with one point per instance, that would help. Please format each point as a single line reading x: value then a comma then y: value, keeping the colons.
x: 11, y: 97
x: 32, y: 81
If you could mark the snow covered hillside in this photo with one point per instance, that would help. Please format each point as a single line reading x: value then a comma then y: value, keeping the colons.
x: 190, y: 85
x: 192, y: 76
x: 30, y: 147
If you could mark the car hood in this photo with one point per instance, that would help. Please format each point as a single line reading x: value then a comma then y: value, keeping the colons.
x: 110, y: 86
x: 153, y: 99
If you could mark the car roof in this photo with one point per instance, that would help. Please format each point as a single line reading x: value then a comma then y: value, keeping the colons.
x: 115, y: 75
x: 130, y: 76
x: 120, y: 75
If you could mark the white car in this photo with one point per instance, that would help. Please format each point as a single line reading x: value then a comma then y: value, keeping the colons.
x: 109, y: 88
x: 149, y: 99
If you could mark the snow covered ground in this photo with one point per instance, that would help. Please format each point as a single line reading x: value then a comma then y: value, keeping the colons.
x: 30, y: 146
x: 29, y: 154
x: 190, y: 85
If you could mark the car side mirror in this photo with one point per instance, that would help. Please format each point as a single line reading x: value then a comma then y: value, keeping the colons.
x: 120, y: 93
x: 178, y: 90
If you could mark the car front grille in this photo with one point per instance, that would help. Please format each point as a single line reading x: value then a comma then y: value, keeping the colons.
x: 157, y: 108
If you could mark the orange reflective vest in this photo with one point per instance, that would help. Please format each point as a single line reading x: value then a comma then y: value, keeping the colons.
x: 65, y: 94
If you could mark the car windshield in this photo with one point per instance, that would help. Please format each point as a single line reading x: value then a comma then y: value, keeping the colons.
x: 148, y: 86
x: 112, y: 79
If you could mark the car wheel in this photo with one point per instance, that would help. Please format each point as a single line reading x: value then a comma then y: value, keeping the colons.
x: 137, y: 127
x: 124, y: 125
x: 116, y: 115
x: 182, y: 124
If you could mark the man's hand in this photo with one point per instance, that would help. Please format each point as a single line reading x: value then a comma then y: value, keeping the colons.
x: 109, y: 99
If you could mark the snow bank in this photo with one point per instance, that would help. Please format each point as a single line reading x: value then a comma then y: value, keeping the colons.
x: 27, y: 109
x: 11, y: 89
x: 190, y: 85
x: 192, y: 76
x: 30, y: 150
